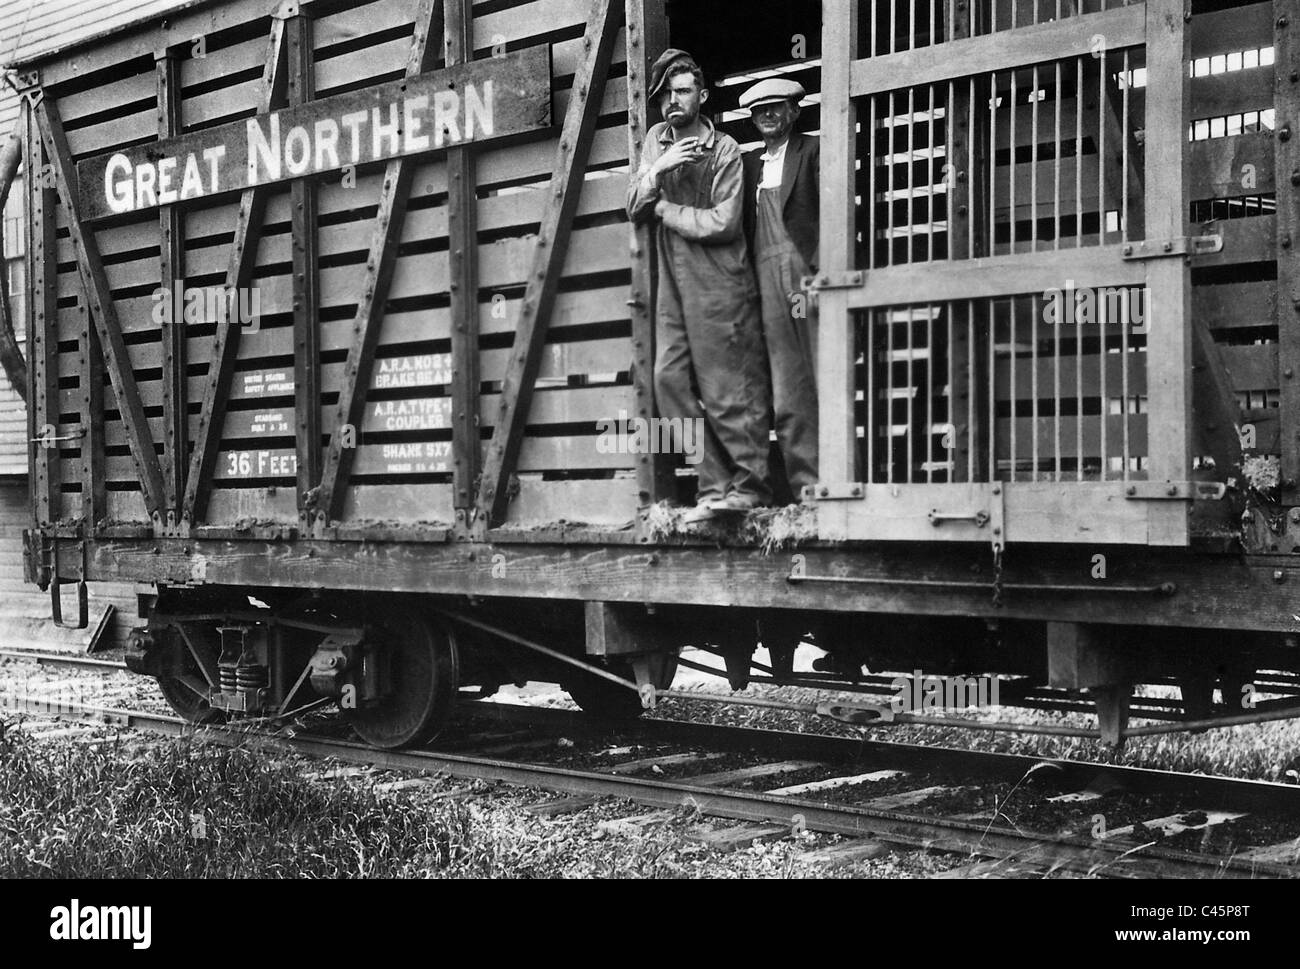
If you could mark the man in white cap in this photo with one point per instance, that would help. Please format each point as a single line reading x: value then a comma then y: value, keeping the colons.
x: 709, y: 363
x: 782, y: 200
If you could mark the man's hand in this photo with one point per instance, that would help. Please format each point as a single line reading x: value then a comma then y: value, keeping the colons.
x: 683, y: 152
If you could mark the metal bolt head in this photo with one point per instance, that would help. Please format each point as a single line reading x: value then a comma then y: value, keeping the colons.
x: 824, y: 492
x: 1279, y: 576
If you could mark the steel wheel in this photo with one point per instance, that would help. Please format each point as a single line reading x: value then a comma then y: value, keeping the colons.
x: 424, y: 671
x: 187, y: 692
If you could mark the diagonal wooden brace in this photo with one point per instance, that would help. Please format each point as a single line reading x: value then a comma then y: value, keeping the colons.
x: 548, y: 263
x: 103, y: 313
x: 225, y: 342
x: 380, y: 265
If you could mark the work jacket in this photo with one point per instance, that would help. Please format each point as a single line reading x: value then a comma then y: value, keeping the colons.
x: 800, y: 193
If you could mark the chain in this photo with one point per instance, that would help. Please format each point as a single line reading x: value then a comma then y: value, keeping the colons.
x: 997, y: 576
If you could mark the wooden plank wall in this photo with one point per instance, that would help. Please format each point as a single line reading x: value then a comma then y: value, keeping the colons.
x: 403, y: 470
x: 27, y: 28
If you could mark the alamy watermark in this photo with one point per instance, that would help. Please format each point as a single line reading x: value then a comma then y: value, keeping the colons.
x: 208, y: 304
x: 1119, y: 306
x: 918, y: 693
x: 652, y: 435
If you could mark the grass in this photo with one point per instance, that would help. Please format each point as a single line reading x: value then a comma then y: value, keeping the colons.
x: 771, y: 529
x: 188, y: 809
x: 68, y: 810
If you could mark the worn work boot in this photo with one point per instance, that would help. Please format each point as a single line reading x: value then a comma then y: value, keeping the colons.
x: 734, y: 504
x: 700, y: 513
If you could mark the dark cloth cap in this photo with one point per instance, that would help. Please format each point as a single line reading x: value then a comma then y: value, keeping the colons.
x: 659, y: 72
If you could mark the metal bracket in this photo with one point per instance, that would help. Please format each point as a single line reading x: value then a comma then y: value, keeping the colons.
x: 56, y: 598
x: 286, y: 10
x: 937, y: 517
x: 852, y: 491
x: 76, y: 435
x: 1177, y: 246
x: 1175, y: 490
x: 853, y: 279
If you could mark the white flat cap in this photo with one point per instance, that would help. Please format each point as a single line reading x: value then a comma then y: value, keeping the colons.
x: 772, y: 89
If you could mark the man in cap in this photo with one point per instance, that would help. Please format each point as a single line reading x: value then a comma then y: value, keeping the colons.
x: 782, y: 200
x: 709, y: 364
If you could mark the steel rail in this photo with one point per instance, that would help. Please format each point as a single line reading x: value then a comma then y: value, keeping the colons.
x: 933, y: 834
x: 1211, y: 790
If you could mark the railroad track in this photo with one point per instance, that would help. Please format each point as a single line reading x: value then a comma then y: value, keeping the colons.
x: 745, y: 775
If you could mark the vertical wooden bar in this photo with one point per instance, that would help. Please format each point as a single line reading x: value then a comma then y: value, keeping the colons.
x: 462, y: 228
x: 647, y: 35
x: 42, y: 342
x: 306, y: 282
x: 1102, y: 166
x: 1011, y: 163
x: 1033, y: 380
x: 1123, y: 324
x: 911, y: 397
x: 1033, y: 161
x: 171, y: 257
x: 1127, y: 80
x: 1102, y: 323
x: 99, y: 306
x: 911, y: 181
x: 1012, y: 363
x: 836, y: 350
x: 888, y: 315
x: 969, y: 131
x: 1286, y: 155
x: 94, y: 496
x: 1169, y: 309
x: 1056, y: 167
x: 242, y: 255
x: 869, y: 230
x: 576, y: 137
x: 1078, y: 152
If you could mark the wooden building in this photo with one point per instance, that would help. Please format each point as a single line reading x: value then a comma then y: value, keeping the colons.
x: 28, y: 28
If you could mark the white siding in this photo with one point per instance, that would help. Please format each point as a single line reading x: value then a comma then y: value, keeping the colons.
x: 28, y: 28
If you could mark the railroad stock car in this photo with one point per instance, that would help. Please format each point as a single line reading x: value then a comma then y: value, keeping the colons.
x: 1058, y: 305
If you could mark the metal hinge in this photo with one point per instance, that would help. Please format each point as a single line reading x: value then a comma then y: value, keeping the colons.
x: 1175, y: 490
x: 833, y: 492
x: 1177, y: 246
x: 842, y: 280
